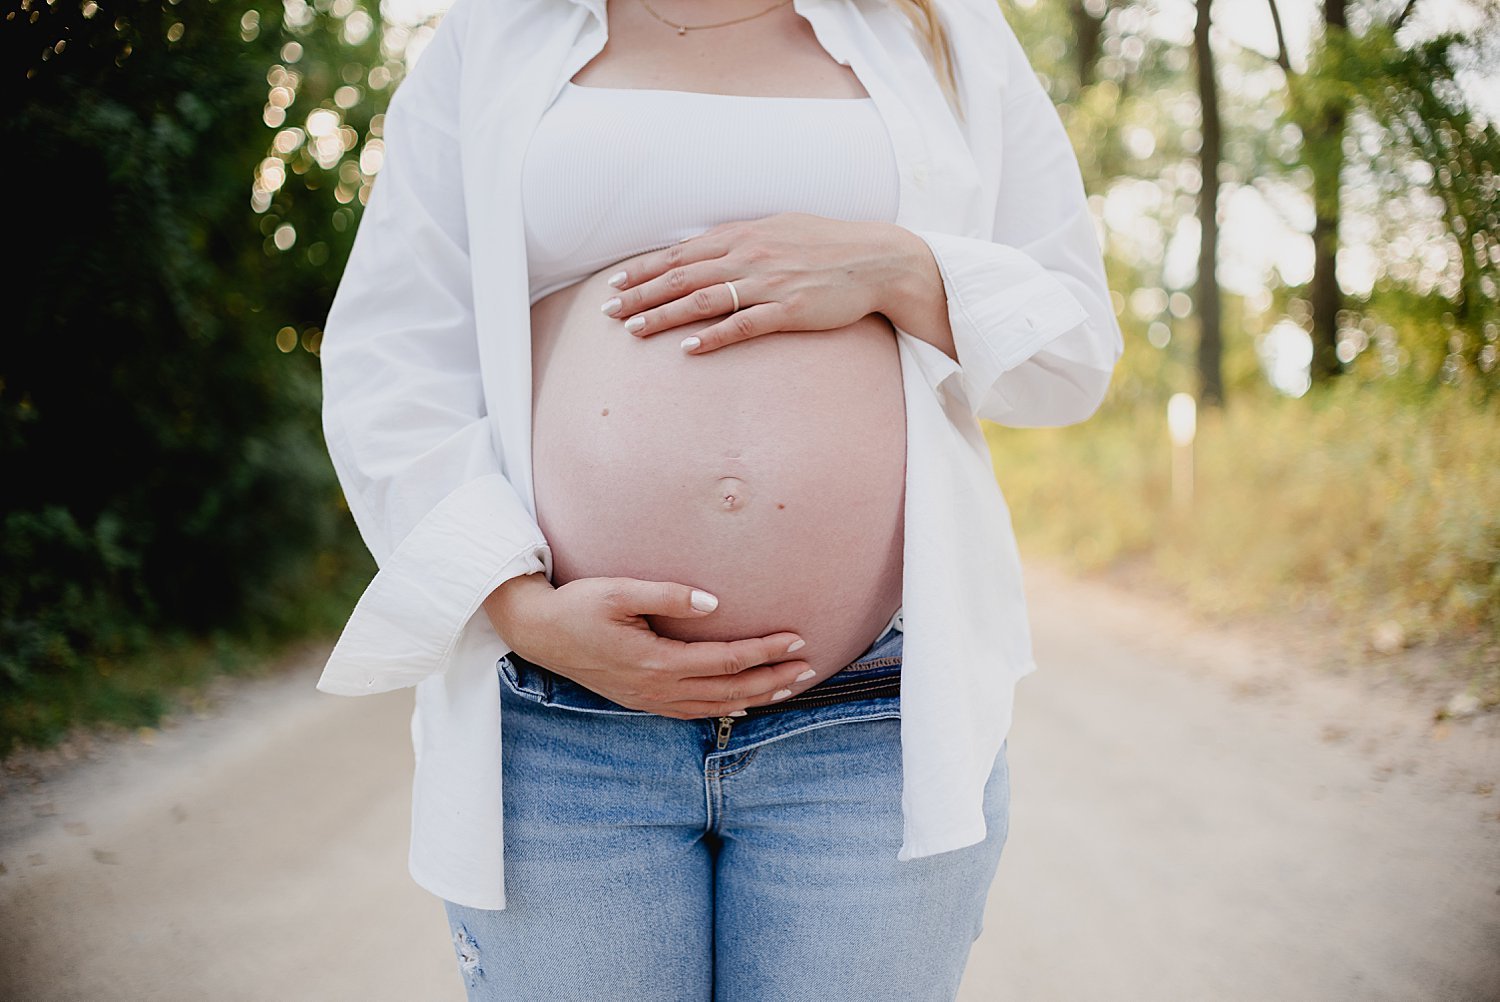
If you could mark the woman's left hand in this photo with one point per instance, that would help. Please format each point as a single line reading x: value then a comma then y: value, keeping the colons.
x: 793, y: 271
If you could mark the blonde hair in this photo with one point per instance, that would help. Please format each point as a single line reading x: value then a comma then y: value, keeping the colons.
x: 924, y: 20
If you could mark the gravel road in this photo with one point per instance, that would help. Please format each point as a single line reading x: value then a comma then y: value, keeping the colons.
x: 1198, y: 813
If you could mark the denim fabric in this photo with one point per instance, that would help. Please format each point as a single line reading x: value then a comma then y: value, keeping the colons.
x: 643, y: 862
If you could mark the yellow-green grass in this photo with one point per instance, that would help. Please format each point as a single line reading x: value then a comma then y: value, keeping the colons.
x: 1379, y: 508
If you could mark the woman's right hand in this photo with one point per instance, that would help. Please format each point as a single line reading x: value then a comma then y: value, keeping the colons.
x: 594, y: 632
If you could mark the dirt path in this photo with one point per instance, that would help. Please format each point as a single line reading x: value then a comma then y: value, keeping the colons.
x: 1196, y: 816
x: 1199, y: 814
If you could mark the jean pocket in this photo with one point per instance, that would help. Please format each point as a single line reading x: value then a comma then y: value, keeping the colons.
x: 882, y: 658
x: 525, y: 680
x: 538, y: 685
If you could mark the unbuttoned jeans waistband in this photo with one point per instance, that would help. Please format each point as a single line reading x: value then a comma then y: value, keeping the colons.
x: 873, y: 675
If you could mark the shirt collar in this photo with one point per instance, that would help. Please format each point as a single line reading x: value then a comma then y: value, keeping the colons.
x: 596, y: 6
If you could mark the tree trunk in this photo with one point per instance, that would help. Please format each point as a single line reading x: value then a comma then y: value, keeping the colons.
x: 1328, y: 169
x: 1211, y: 337
x: 1088, y: 31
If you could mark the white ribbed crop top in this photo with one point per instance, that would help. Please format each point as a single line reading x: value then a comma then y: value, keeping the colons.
x: 611, y: 172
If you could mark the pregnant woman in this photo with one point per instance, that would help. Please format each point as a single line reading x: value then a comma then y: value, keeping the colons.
x: 653, y: 382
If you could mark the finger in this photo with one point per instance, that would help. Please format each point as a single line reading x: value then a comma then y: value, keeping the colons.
x: 718, y: 230
x: 633, y: 596
x: 717, y: 658
x: 679, y: 297
x: 675, y: 282
x: 696, y: 711
x: 712, y: 242
x: 751, y: 687
x: 697, y: 708
x: 762, y: 318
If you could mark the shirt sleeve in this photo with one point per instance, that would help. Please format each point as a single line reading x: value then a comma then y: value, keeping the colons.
x: 1033, y: 325
x: 404, y: 412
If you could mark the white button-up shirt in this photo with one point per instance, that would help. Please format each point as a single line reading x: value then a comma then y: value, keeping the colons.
x: 427, y: 379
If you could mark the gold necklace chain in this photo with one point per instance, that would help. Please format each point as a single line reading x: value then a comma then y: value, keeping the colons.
x: 683, y: 29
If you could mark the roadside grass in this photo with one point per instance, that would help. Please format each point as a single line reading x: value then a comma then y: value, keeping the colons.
x: 138, y: 688
x: 1374, y: 505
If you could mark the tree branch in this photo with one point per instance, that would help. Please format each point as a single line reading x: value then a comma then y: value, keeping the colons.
x: 1401, y: 17
x: 1283, y: 58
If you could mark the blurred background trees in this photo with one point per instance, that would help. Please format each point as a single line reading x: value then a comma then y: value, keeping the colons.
x: 189, y: 177
x: 1297, y: 200
x: 1337, y: 294
x: 1375, y: 143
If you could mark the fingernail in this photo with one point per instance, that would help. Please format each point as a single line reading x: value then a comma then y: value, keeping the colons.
x: 737, y: 713
x: 691, y: 342
x: 797, y: 645
x: 806, y: 675
x: 780, y: 694
x: 611, y: 306
x: 617, y: 279
x: 635, y: 323
x: 704, y: 602
x: 684, y: 240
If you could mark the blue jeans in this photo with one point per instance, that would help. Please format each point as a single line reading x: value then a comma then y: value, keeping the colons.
x: 645, y: 862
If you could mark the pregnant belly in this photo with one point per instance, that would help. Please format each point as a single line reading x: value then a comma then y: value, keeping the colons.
x: 770, y: 472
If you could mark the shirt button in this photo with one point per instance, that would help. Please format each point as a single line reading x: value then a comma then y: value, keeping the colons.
x: 919, y: 174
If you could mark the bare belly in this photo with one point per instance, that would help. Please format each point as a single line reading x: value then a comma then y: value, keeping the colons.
x: 770, y: 472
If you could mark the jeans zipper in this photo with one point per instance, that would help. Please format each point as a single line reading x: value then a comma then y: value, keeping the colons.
x: 848, y: 692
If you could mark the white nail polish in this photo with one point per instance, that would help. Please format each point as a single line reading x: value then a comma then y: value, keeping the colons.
x: 703, y: 601
x: 806, y: 675
x: 610, y: 306
x: 780, y: 694
x: 617, y: 279
x: 737, y: 713
x: 691, y: 342
x: 635, y: 323
x: 797, y: 645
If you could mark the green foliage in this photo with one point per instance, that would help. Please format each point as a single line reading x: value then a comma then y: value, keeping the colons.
x: 165, y: 478
x: 1431, y: 139
x: 317, y: 81
x: 1414, y: 141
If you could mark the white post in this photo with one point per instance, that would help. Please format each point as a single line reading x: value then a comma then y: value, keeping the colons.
x: 1182, y: 426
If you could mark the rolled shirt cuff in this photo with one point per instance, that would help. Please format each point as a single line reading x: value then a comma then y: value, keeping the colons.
x: 409, y: 618
x: 1003, y: 307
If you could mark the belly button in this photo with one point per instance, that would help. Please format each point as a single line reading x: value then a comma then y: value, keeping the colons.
x: 731, y: 493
